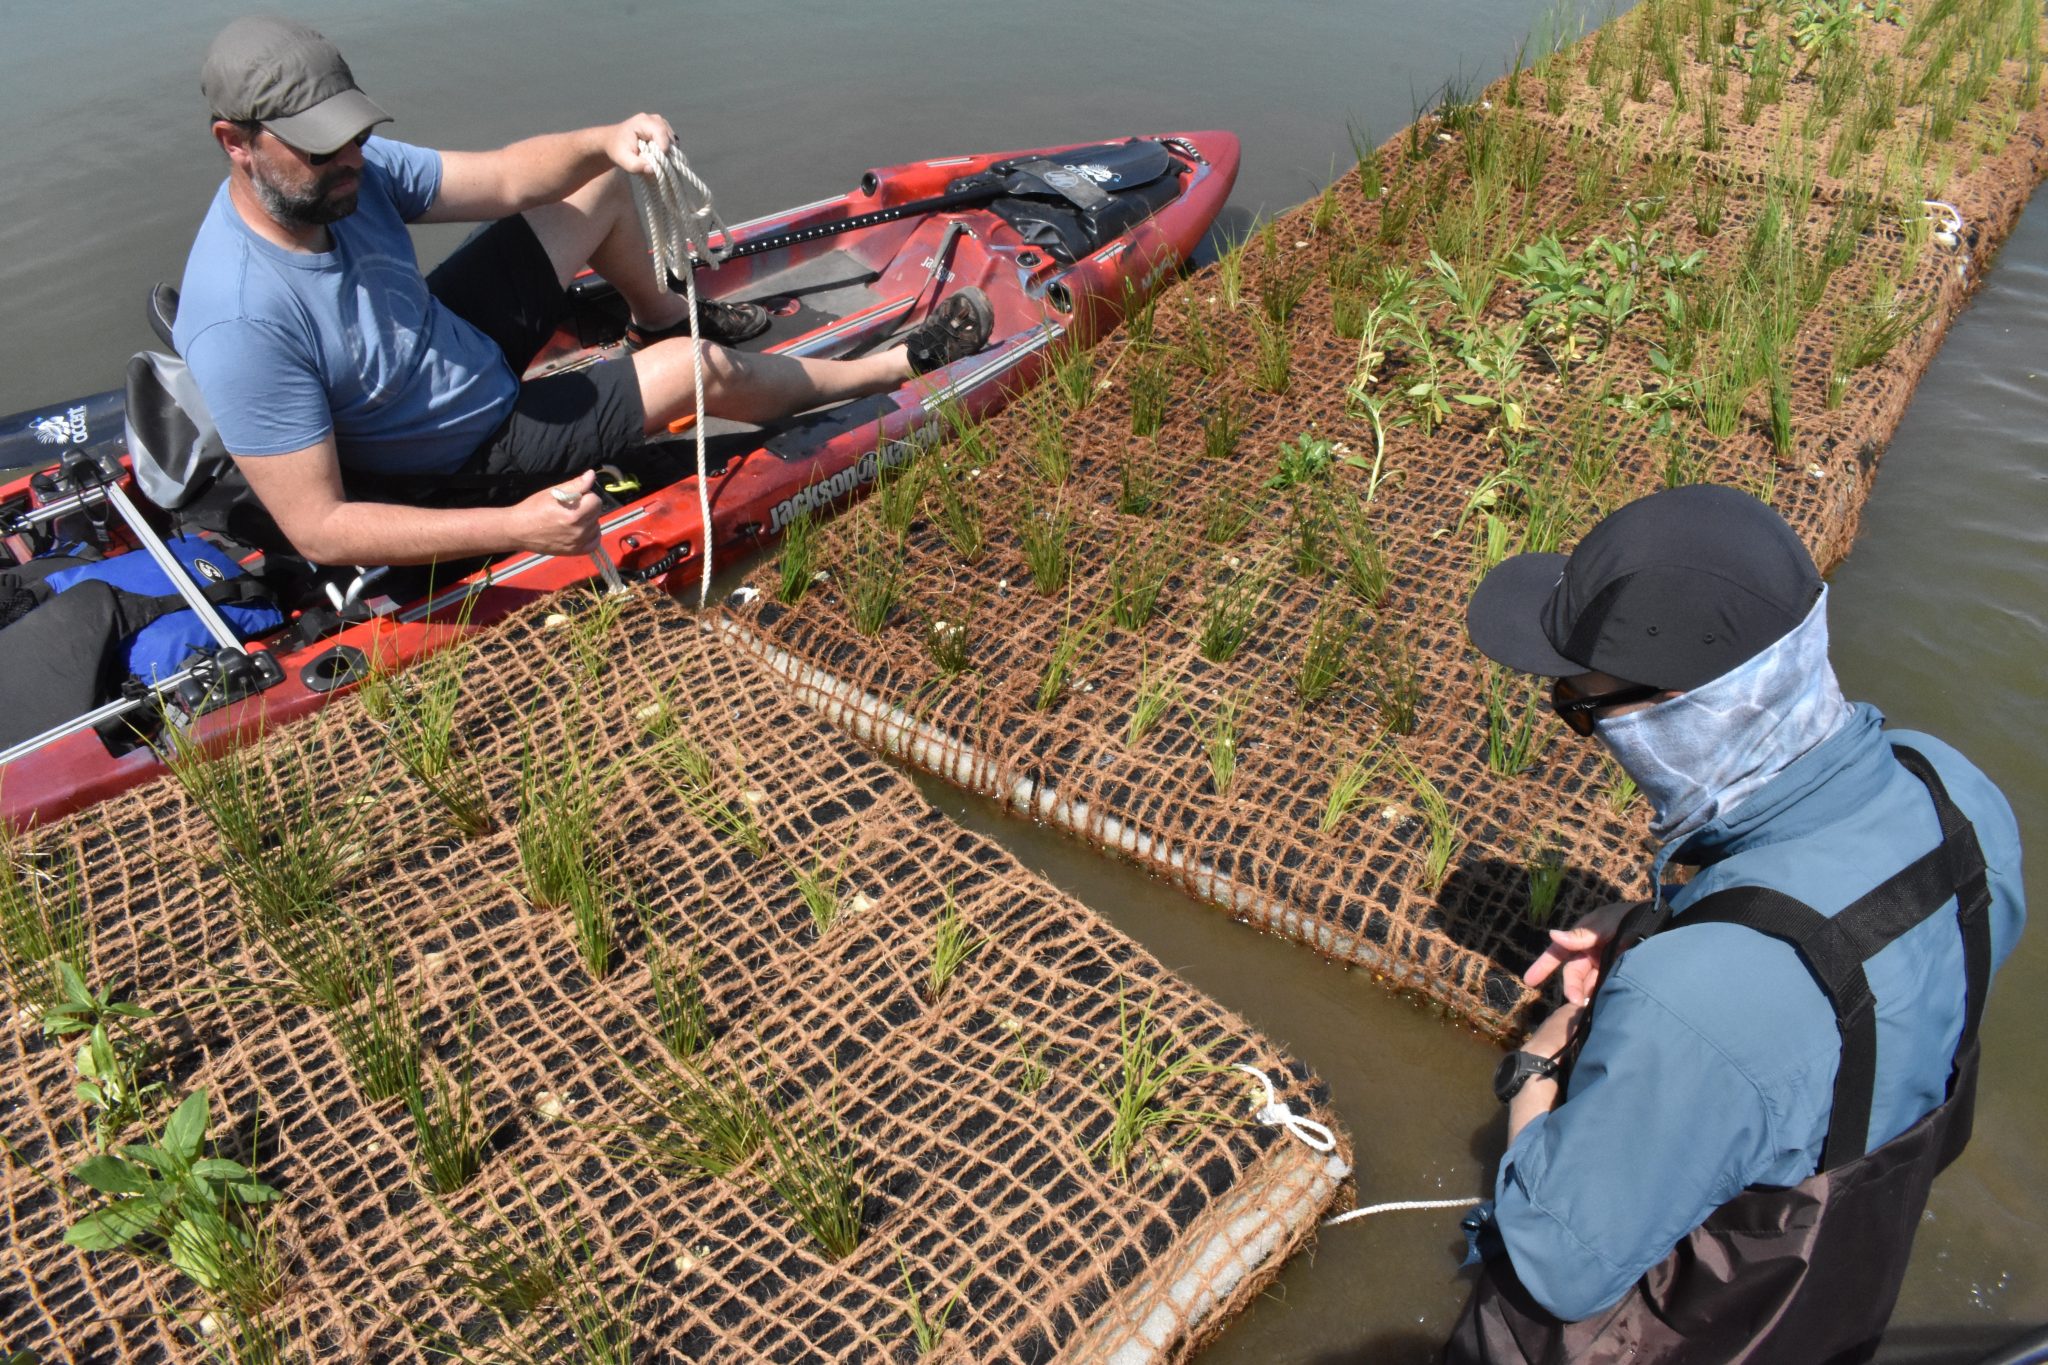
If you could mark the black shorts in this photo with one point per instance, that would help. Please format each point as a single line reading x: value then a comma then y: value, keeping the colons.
x: 501, y: 282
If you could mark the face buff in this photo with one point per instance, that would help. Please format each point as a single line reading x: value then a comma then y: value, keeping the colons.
x: 1700, y: 755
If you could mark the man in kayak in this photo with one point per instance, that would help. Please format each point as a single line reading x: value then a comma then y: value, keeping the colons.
x: 1781, y: 1051
x: 361, y: 401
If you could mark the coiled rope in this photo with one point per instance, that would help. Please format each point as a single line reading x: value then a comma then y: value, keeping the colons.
x: 675, y: 208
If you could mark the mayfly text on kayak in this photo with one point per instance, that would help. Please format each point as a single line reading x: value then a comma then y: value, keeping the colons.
x: 892, y: 455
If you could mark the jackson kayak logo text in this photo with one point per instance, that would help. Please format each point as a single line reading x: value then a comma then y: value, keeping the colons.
x: 892, y: 455
x: 65, y: 429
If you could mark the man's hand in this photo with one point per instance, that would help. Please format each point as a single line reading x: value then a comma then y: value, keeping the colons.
x: 1578, y: 951
x: 558, y: 521
x: 622, y: 143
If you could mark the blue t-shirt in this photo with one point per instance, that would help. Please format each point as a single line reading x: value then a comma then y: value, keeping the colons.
x: 288, y: 346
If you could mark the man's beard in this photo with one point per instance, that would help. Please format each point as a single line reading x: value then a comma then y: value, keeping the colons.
x: 315, y: 206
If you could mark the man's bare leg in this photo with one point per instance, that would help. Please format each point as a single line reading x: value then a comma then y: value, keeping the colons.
x: 749, y: 386
x: 599, y: 226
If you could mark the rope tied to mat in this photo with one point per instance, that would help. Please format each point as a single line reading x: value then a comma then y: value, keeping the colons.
x: 1401, y: 1206
x: 1274, y: 1113
x: 675, y: 208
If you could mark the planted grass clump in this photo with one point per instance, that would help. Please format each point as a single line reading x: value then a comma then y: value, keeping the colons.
x: 797, y: 566
x: 1350, y: 783
x: 1153, y: 1061
x: 379, y: 1036
x: 1137, y: 577
x: 416, y: 711
x: 1218, y: 732
x: 1511, y: 745
x: 875, y: 584
x: 954, y: 945
x: 1076, y: 639
x: 699, y: 1122
x: 1046, y: 538
x: 559, y: 854
x: 816, y: 1174
x: 285, y: 848
x: 448, y: 1132
x: 698, y: 779
x: 1328, y: 656
x: 43, y: 925
x: 1229, y: 613
x: 818, y: 886
x: 1151, y: 395
x: 681, y: 1019
x: 1154, y: 697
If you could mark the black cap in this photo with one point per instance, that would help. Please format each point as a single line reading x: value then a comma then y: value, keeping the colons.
x: 1672, y: 590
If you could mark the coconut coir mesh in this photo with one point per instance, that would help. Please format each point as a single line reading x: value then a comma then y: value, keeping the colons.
x: 978, y: 1185
x: 1362, y: 891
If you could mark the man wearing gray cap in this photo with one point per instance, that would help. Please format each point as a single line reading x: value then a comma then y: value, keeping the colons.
x: 1720, y: 1144
x: 359, y: 398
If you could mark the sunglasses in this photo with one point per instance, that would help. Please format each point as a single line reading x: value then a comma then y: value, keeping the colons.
x: 321, y: 158
x: 1578, y: 712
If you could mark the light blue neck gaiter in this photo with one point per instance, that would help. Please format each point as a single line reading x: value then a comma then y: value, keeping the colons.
x: 1703, y: 753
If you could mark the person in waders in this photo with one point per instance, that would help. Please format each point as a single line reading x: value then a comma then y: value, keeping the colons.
x: 1720, y: 1144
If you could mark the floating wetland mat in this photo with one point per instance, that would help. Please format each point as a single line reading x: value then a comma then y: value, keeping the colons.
x: 965, y: 1141
x: 1200, y: 600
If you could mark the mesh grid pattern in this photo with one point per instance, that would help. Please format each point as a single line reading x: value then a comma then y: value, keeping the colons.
x: 977, y: 1184
x: 1361, y: 891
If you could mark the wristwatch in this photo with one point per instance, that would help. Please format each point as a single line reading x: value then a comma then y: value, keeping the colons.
x: 1517, y: 1069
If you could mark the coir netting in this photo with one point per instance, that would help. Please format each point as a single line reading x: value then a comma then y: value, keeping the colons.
x: 741, y: 856
x: 1201, y: 599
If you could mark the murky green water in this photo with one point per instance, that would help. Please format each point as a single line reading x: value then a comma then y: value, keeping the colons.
x: 1939, y: 615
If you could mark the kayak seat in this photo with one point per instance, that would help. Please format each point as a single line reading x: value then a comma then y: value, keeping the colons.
x: 163, y: 313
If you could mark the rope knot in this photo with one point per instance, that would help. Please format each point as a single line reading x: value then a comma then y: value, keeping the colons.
x: 1274, y: 1113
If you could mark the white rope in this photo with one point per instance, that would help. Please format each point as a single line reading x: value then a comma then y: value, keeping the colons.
x: 1401, y: 1206
x: 1275, y: 1114
x: 1951, y: 219
x: 675, y: 207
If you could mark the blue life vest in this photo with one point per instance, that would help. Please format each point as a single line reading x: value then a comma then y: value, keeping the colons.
x: 157, y: 650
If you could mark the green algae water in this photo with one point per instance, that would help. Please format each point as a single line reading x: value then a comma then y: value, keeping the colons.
x: 1938, y: 614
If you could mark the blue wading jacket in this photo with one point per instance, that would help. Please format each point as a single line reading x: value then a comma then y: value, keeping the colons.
x: 1710, y: 1063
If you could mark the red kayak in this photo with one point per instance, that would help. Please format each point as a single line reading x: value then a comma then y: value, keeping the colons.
x: 1062, y: 240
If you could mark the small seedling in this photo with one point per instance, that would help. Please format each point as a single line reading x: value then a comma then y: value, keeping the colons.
x: 1148, y: 1065
x: 448, y: 1137
x: 950, y: 645
x: 110, y: 1060
x: 681, y: 1019
x: 1226, y: 515
x: 1444, y: 839
x: 1282, y: 294
x: 1365, y: 571
x: 819, y: 887
x: 1228, y: 613
x: 1047, y: 449
x: 1510, y: 730
x: 694, y: 777
x: 958, y: 511
x: 557, y: 835
x: 1347, y: 788
x: 926, y: 1329
x: 1155, y: 695
x: 797, y: 566
x: 1073, y: 374
x: 1218, y: 733
x: 817, y: 1176
x: 591, y: 628
x: 1151, y: 395
x: 1046, y: 538
x: 1137, y: 484
x: 1137, y: 576
x: 1272, y: 362
x: 1621, y: 790
x: 1076, y: 639
x: 1034, y: 1069
x: 876, y: 580
x: 1327, y: 657
x: 899, y: 493
x: 1545, y: 871
x: 510, y: 1271
x: 1399, y: 684
x: 954, y: 944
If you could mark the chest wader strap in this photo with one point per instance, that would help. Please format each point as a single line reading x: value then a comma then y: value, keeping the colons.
x: 1834, y: 948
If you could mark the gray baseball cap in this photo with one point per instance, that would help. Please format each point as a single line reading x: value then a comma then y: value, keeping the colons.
x: 290, y: 79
